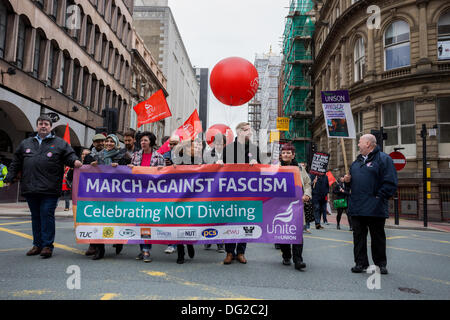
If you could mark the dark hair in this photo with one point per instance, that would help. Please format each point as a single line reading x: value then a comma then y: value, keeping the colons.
x: 164, y: 139
x: 129, y: 134
x: 150, y: 136
x: 288, y: 147
x: 44, y: 117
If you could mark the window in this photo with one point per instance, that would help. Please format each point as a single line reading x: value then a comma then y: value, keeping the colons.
x: 40, y: 3
x: 443, y: 115
x: 3, y: 20
x: 20, y: 44
x: 37, y: 55
x: 62, y: 74
x: 359, y: 59
x: 53, y: 60
x: 54, y: 10
x: 396, y: 46
x: 399, y: 123
x: 76, y: 74
x: 444, y: 37
x: 93, y: 92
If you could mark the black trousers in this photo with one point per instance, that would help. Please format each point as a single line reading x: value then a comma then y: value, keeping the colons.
x: 339, y: 215
x: 297, y: 251
x: 239, y: 247
x: 375, y: 225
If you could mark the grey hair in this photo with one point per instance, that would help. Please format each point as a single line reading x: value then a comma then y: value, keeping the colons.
x: 371, y: 138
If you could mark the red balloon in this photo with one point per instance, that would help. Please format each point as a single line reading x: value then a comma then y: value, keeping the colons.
x: 234, y: 81
x: 219, y: 128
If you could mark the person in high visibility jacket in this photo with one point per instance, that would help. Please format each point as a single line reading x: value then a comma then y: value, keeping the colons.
x: 3, y: 173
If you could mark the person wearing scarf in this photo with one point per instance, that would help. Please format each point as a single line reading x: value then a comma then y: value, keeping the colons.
x: 109, y: 156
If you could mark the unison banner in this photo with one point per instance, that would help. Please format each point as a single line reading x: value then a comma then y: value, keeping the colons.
x: 188, y: 204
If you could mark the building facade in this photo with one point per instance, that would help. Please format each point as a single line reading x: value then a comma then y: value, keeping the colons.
x: 155, y: 23
x: 395, y: 63
x: 65, y: 57
x: 146, y: 79
x: 202, y: 75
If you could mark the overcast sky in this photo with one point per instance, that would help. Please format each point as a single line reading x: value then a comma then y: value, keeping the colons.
x: 216, y: 29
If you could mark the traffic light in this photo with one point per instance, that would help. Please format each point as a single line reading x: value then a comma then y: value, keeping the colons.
x: 380, y: 135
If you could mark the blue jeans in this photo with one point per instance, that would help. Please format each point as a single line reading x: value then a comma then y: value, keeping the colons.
x: 42, y: 209
x: 320, y: 209
x: 145, y: 247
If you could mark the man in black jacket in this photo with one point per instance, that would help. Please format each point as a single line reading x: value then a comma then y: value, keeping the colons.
x: 320, y: 190
x: 241, y: 151
x: 373, y: 180
x: 40, y: 160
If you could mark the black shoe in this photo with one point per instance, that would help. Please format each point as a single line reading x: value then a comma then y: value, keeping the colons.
x: 207, y: 246
x: 287, y: 262
x: 359, y: 269
x: 180, y: 260
x: 383, y: 270
x: 300, y: 265
x: 99, y: 253
x: 191, y: 251
x: 351, y: 229
x: 119, y: 248
x: 338, y: 227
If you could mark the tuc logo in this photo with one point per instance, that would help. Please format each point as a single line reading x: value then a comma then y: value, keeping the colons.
x: 210, y: 233
x: 85, y: 234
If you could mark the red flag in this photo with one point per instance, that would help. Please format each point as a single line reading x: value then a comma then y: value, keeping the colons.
x: 190, y: 128
x: 153, y: 109
x: 331, y: 178
x: 67, y: 134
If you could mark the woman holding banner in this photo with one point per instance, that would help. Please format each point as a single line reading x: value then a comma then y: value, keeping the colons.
x: 189, y: 152
x: 146, y: 157
x: 110, y: 156
x: 288, y: 159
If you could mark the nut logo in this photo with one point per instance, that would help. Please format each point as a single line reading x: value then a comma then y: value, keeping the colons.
x: 108, y: 232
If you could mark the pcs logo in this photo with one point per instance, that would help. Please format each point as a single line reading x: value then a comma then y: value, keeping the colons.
x: 210, y: 233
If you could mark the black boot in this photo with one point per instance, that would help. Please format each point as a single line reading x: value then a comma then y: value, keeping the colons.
x: 119, y: 248
x: 180, y: 252
x: 99, y: 252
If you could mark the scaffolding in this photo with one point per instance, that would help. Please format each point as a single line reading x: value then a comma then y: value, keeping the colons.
x: 297, y: 87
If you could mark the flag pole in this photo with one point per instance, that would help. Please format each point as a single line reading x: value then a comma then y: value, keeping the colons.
x: 345, y: 155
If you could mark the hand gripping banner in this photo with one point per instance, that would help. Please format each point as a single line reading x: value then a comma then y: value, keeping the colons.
x: 192, y: 204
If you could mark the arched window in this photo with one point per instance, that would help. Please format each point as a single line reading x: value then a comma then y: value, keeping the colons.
x: 52, y: 63
x: 3, y: 21
x: 396, y: 45
x: 359, y: 59
x: 38, y: 46
x: 444, y: 36
x: 21, y: 43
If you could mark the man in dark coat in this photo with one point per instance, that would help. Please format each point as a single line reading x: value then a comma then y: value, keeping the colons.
x: 320, y: 190
x: 41, y: 160
x: 373, y: 180
x: 240, y: 151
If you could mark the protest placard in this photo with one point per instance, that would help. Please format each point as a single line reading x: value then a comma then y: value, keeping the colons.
x: 319, y: 163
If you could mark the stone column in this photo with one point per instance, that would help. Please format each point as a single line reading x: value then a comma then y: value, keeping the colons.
x: 343, y: 62
x: 370, y: 55
x: 332, y: 72
x: 424, y: 63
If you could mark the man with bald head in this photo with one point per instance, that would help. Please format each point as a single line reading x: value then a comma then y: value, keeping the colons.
x: 373, y: 180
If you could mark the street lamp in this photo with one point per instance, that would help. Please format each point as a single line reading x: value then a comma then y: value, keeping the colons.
x: 425, y: 176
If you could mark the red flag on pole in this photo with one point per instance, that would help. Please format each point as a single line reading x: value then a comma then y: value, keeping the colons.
x: 331, y: 178
x: 153, y: 109
x: 189, y: 130
x: 67, y: 134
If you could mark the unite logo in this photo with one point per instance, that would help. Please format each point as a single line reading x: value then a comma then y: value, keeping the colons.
x: 284, y: 228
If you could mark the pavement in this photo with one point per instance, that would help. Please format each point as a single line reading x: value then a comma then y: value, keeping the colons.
x: 21, y: 209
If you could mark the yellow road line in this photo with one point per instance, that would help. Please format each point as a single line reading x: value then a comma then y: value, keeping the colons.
x: 109, y: 296
x: 219, y: 292
x: 56, y: 245
x: 397, y: 237
x: 20, y: 222
x: 24, y: 293
x: 14, y: 249
x: 329, y: 239
x: 416, y: 237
